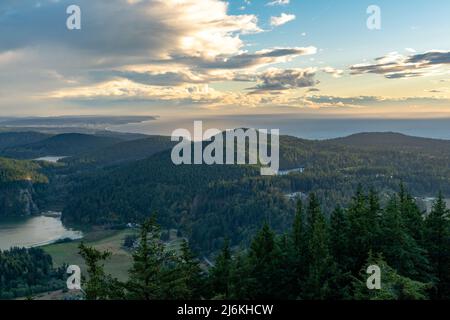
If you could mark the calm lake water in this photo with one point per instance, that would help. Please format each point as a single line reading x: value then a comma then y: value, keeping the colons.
x: 34, y: 231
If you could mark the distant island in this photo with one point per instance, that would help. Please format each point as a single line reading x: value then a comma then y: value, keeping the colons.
x: 73, y: 121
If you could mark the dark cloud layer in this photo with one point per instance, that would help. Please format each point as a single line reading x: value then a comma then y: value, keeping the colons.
x: 280, y: 80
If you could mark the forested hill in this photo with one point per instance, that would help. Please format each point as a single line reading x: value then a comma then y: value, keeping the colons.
x: 68, y: 144
x: 388, y: 140
x: 12, y: 139
x: 122, y: 152
x: 211, y: 202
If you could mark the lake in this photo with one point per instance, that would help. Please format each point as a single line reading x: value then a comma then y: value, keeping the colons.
x: 34, y: 231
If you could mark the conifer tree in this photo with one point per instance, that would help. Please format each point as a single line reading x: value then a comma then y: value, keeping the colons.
x: 412, y: 216
x: 361, y: 229
x: 373, y: 221
x: 320, y: 264
x: 264, y: 263
x: 401, y: 250
x: 98, y: 285
x: 154, y: 274
x: 437, y: 241
x: 340, y: 282
x: 191, y: 271
x: 339, y: 237
x: 220, y: 274
x: 296, y: 257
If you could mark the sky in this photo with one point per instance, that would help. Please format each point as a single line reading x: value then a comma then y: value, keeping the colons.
x: 178, y: 58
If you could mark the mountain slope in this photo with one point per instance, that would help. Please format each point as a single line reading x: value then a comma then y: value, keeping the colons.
x: 69, y: 144
x: 123, y: 152
x: 211, y: 202
x: 13, y: 139
x: 391, y: 140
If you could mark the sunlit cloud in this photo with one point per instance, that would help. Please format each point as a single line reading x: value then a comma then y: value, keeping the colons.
x: 395, y: 65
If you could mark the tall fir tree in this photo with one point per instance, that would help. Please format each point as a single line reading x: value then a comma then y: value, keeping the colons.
x: 98, y: 285
x: 264, y: 265
x: 437, y: 241
x: 297, y: 253
x: 220, y: 274
x: 339, y: 238
x: 360, y: 229
x: 191, y: 272
x: 154, y: 274
x: 412, y: 216
x: 320, y: 266
x: 399, y: 247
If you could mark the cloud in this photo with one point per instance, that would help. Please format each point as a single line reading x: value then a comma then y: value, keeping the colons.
x: 126, y: 89
x: 370, y: 101
x: 158, y: 48
x: 395, y: 65
x: 336, y: 73
x: 282, y: 19
x: 257, y: 59
x: 437, y: 90
x: 287, y: 79
x: 155, y: 27
x: 278, y: 3
x: 195, y: 70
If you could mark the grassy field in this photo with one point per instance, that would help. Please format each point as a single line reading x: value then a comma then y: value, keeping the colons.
x: 105, y: 240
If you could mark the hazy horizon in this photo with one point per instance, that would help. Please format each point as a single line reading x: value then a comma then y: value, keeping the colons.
x: 294, y: 125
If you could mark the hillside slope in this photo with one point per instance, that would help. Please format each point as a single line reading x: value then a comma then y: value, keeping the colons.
x: 13, y: 139
x: 391, y: 140
x: 122, y: 152
x: 69, y: 144
x: 211, y: 202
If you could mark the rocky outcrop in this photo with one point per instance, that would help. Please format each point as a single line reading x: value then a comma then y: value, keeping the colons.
x: 16, y: 199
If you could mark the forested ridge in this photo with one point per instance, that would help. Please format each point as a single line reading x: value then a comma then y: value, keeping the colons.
x: 208, y: 203
x: 316, y: 258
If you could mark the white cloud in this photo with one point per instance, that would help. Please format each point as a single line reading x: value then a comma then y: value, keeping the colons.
x: 282, y: 19
x: 336, y: 73
x: 168, y: 50
x: 278, y: 3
